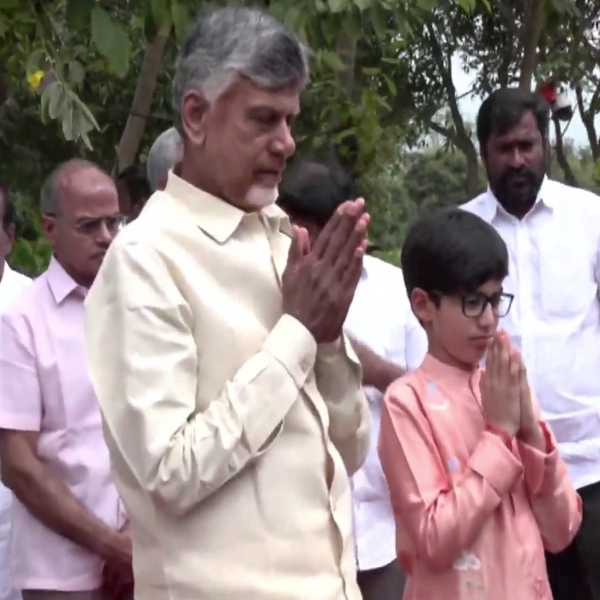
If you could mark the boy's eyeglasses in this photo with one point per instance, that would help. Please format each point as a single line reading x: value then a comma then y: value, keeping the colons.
x: 475, y: 303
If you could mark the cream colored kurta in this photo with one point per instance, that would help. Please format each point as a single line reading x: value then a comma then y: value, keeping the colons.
x: 230, y: 431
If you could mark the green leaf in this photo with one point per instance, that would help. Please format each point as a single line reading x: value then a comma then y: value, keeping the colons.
x: 150, y: 27
x: 363, y: 4
x: 429, y: 5
x: 75, y: 73
x: 332, y: 60
x: 112, y: 41
x: 119, y: 57
x: 338, y: 5
x: 57, y: 99
x: 36, y: 61
x: 78, y: 14
x: 181, y: 19
x: 353, y: 23
x: 69, y: 126
x: 379, y: 18
x: 160, y: 11
x: 102, y: 30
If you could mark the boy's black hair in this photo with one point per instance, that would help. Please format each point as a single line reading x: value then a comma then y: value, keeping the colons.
x: 134, y: 178
x: 315, y: 187
x: 502, y: 110
x: 451, y: 251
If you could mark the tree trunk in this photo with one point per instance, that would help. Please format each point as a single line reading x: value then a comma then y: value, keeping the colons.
x: 587, y: 118
x: 561, y: 158
x: 460, y: 137
x: 472, y: 171
x: 142, y: 100
x: 532, y: 30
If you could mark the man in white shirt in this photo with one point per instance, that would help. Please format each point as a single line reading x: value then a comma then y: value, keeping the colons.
x: 553, y: 236
x: 12, y: 285
x: 388, y: 340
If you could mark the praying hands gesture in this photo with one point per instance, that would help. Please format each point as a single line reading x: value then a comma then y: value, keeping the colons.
x: 319, y: 281
x: 506, y: 395
x: 500, y: 386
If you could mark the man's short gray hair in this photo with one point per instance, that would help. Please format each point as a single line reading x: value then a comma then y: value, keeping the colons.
x: 50, y: 194
x: 162, y: 157
x: 231, y: 41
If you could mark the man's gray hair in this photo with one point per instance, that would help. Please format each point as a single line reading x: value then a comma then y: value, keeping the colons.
x: 231, y: 41
x: 162, y: 157
x: 50, y: 194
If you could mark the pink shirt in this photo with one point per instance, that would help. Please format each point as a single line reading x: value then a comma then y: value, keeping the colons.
x: 473, y: 516
x: 44, y: 387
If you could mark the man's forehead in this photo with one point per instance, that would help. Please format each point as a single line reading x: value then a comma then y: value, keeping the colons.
x: 526, y: 128
x: 286, y: 99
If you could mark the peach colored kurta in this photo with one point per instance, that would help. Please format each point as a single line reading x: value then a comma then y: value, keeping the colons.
x: 473, y: 516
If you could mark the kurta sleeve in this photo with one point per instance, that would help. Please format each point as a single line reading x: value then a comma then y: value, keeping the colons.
x: 555, y: 503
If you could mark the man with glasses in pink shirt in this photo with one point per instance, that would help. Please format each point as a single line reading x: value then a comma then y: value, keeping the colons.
x: 67, y: 516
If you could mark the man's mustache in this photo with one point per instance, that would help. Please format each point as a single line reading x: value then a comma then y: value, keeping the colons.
x: 524, y: 173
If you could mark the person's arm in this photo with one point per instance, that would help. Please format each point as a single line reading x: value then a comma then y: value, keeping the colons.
x: 441, y: 516
x: 555, y: 503
x: 339, y: 380
x: 143, y: 362
x: 377, y: 371
x: 21, y: 407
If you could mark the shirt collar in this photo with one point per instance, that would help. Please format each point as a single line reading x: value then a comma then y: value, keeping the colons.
x: 214, y: 216
x: 490, y: 207
x: 60, y: 282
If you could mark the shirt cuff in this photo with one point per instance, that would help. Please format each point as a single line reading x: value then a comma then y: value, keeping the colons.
x: 330, y: 349
x: 495, y: 462
x: 294, y: 347
x: 538, y: 466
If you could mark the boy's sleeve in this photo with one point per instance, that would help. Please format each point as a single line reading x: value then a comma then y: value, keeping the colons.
x: 555, y: 503
x: 440, y: 515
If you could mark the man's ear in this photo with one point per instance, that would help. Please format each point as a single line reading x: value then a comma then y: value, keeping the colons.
x: 194, y: 109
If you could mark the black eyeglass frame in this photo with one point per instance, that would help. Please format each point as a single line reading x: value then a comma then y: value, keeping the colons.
x: 494, y: 301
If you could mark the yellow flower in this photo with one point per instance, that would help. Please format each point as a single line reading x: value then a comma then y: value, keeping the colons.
x: 35, y: 79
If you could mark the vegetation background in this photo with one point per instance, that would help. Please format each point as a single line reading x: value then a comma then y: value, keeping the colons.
x: 92, y: 78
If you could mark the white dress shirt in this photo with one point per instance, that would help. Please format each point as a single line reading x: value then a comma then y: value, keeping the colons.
x: 555, y: 319
x: 12, y: 284
x: 381, y: 318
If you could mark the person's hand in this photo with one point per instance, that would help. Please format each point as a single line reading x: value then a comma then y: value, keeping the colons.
x: 500, y: 386
x: 530, y: 431
x: 117, y: 549
x: 117, y: 575
x: 117, y: 583
x: 319, y: 282
x: 528, y: 420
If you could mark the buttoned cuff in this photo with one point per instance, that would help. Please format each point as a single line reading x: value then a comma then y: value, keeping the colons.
x: 539, y: 466
x: 294, y: 347
x: 496, y: 463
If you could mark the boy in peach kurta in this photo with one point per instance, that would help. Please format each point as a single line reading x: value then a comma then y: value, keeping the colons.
x: 477, y: 486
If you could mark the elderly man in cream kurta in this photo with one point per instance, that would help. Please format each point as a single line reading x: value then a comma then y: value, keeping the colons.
x: 231, y: 401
